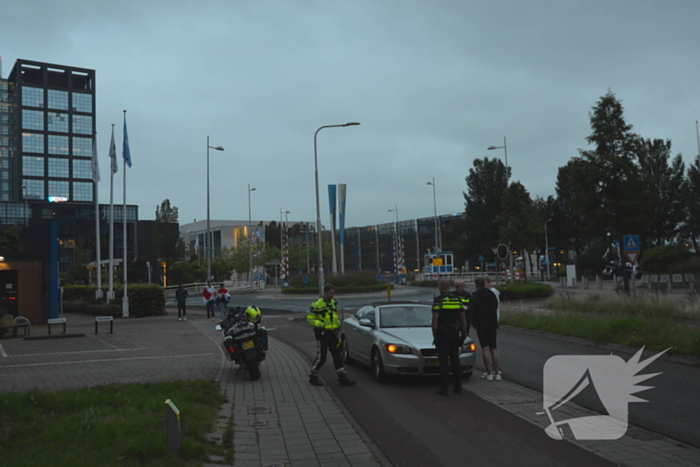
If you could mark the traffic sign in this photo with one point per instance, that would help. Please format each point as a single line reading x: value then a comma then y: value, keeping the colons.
x: 481, y: 259
x: 495, y: 250
x: 632, y: 256
x: 631, y: 243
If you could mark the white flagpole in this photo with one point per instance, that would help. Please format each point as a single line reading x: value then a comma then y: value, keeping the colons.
x: 98, y: 253
x: 125, y: 299
x: 110, y: 293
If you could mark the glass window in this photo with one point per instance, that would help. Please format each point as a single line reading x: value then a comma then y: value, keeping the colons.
x: 82, y: 168
x: 34, y: 189
x: 58, y: 100
x: 32, y: 97
x: 58, y: 188
x: 82, y: 102
x: 82, y: 191
x: 82, y: 146
x: 58, y: 168
x: 82, y: 124
x: 32, y: 119
x: 33, y: 142
x: 58, y: 145
x: 32, y: 166
x: 58, y: 122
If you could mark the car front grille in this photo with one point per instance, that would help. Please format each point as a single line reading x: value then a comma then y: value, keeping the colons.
x: 428, y: 352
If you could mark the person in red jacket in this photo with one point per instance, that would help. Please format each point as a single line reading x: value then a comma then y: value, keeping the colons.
x: 209, y: 296
x: 223, y: 297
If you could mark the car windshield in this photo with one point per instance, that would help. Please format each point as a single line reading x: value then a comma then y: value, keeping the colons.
x: 405, y: 316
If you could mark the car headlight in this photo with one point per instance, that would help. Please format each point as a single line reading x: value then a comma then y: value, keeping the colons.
x: 398, y: 349
x: 469, y: 347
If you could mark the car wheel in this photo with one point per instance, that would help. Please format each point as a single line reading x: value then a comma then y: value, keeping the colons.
x: 378, y: 366
x: 346, y: 353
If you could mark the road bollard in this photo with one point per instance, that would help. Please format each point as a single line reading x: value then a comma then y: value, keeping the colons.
x: 172, y: 426
x: 388, y: 292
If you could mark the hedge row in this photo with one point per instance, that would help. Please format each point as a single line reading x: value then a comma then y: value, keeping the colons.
x: 338, y: 290
x: 524, y: 290
x: 144, y: 300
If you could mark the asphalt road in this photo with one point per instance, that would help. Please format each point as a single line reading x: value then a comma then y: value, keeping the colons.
x: 414, y: 426
x: 672, y: 408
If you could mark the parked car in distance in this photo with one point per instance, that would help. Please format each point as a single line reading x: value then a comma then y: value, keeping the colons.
x: 395, y: 338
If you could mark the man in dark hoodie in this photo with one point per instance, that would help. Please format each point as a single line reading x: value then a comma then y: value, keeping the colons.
x: 483, y: 307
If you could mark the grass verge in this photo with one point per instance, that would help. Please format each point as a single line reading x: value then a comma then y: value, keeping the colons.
x: 630, y: 330
x: 114, y: 425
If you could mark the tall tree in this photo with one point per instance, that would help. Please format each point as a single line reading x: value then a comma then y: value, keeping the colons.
x: 485, y: 184
x: 666, y: 183
x: 692, y: 206
x: 616, y: 193
x: 168, y: 243
x: 518, y: 224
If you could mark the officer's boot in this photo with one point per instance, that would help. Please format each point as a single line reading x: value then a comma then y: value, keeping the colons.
x: 313, y: 379
x: 344, y: 381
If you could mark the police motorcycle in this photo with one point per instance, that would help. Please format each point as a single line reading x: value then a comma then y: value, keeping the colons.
x: 245, y: 340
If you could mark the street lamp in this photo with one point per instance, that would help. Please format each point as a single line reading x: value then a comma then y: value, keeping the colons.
x: 505, y: 149
x: 438, y: 246
x: 396, y: 210
x: 250, y: 238
x: 546, y: 246
x: 282, y: 235
x: 208, y: 242
x: 26, y: 217
x: 318, y: 207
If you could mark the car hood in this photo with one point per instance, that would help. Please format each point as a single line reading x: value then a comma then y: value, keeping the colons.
x: 418, y: 337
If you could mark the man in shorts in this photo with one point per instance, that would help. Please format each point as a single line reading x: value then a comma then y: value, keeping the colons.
x: 483, y: 309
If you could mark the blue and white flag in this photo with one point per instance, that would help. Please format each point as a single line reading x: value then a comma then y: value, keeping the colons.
x: 126, y: 153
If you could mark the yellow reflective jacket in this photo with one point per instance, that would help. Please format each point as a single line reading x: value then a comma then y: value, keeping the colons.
x: 324, y: 315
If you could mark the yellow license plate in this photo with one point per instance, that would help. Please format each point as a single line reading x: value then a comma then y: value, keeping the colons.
x: 248, y: 345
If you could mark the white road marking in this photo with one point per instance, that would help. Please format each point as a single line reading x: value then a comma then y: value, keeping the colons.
x: 106, y: 360
x: 2, y: 351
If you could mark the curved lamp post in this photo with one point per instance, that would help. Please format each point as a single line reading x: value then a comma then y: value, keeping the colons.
x: 318, y: 207
x: 207, y: 244
x: 250, y: 238
x: 505, y: 150
x: 438, y: 246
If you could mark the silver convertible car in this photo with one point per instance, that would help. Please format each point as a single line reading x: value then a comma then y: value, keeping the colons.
x: 395, y: 338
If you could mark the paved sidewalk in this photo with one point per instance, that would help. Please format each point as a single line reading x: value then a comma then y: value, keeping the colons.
x: 281, y: 420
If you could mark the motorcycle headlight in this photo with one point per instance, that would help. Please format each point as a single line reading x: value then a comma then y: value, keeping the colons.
x: 398, y: 349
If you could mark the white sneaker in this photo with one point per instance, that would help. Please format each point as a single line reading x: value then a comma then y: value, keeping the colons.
x: 179, y: 319
x: 498, y: 376
x: 487, y: 376
x: 185, y: 318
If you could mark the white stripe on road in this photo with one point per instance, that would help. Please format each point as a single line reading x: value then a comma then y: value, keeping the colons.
x: 2, y: 351
x: 105, y: 360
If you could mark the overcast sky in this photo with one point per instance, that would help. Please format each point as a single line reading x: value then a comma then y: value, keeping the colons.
x: 433, y: 83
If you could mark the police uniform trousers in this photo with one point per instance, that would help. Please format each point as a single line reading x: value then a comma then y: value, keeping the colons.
x: 327, y: 341
x: 447, y: 344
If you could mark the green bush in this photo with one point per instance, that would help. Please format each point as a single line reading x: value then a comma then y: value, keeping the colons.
x: 144, y: 300
x: 338, y: 290
x: 664, y: 259
x: 524, y: 290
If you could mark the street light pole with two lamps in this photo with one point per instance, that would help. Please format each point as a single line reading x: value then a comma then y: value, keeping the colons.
x: 207, y: 244
x: 318, y: 207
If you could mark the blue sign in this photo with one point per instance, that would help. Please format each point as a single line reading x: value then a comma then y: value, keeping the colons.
x: 306, y: 280
x: 631, y: 242
x: 481, y: 259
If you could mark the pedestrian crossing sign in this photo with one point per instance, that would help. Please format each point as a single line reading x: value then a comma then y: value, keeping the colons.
x: 631, y: 242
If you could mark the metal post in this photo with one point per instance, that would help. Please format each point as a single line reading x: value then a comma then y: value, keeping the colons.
x: 376, y: 231
x: 250, y: 240
x: 437, y: 241
x: 207, y: 242
x: 546, y: 246
x: 321, y: 281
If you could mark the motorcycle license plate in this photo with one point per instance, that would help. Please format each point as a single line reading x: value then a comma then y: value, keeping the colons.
x: 248, y: 345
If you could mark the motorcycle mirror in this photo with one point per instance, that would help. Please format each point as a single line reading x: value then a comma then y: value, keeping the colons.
x: 218, y: 327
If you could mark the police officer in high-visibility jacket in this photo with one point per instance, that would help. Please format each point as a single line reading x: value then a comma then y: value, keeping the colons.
x: 323, y: 316
x: 449, y: 331
x: 463, y: 296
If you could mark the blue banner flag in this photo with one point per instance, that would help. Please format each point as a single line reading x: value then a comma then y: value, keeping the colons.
x: 126, y: 153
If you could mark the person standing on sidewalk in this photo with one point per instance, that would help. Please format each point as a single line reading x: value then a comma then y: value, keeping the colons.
x: 463, y: 296
x: 181, y: 298
x: 223, y: 297
x: 209, y: 296
x: 449, y: 332
x: 483, y: 316
x: 323, y: 316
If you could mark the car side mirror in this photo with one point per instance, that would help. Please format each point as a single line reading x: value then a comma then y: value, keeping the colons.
x: 366, y: 323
